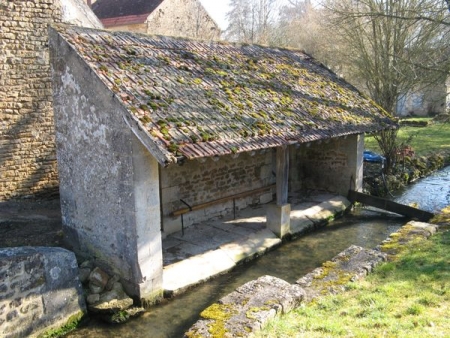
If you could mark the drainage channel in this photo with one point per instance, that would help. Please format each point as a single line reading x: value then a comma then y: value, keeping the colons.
x: 289, y: 262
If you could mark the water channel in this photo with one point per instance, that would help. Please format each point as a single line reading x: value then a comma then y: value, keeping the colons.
x: 291, y: 261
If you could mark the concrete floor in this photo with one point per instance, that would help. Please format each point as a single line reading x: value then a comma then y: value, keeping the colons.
x: 217, y: 246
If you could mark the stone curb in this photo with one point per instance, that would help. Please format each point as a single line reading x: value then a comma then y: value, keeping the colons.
x: 249, y: 307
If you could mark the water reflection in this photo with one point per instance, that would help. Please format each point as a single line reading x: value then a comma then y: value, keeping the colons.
x: 431, y: 193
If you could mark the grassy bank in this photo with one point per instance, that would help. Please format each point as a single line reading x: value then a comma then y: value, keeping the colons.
x: 434, y: 138
x: 408, y: 297
x: 431, y: 145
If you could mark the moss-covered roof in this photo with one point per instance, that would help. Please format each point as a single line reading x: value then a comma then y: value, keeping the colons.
x: 196, y: 99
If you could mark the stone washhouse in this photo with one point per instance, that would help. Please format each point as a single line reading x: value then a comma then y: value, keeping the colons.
x: 154, y: 134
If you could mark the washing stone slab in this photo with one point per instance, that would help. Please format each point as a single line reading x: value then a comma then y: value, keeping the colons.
x: 255, y: 244
x: 180, y: 276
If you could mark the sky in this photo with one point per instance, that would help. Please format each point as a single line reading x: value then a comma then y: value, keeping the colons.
x: 217, y: 9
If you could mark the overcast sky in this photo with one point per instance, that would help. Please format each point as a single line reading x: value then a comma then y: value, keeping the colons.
x: 217, y: 9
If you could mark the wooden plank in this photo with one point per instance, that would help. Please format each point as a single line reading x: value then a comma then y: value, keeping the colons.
x: 282, y: 175
x: 221, y: 200
x: 381, y: 203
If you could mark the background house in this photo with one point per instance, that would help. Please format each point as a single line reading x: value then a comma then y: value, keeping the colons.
x: 148, y: 124
x: 186, y: 18
x: 424, y: 102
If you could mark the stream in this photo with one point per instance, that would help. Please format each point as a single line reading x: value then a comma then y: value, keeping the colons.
x: 291, y: 261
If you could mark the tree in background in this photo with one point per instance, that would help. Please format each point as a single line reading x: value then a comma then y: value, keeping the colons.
x: 391, y: 47
x: 251, y: 21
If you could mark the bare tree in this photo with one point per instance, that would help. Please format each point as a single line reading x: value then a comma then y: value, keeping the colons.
x: 251, y: 21
x: 392, y: 46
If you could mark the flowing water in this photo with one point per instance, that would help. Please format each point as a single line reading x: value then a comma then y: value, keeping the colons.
x: 290, y: 262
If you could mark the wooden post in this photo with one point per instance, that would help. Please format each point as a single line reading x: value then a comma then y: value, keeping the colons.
x: 282, y: 175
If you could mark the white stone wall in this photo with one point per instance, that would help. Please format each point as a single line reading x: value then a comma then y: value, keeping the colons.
x: 423, y: 102
x: 109, y: 183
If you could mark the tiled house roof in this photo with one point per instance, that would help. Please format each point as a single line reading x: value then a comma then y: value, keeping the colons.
x: 197, y: 99
x: 118, y: 8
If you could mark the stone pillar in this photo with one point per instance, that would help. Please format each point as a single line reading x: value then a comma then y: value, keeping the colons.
x: 149, y: 261
x: 279, y: 215
x: 355, y: 162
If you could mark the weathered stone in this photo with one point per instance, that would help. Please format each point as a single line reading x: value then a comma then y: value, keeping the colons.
x: 350, y: 265
x: 84, y: 274
x: 93, y: 298
x: 248, y: 308
x: 49, y: 294
x: 114, y: 279
x: 98, y: 277
x: 111, y: 306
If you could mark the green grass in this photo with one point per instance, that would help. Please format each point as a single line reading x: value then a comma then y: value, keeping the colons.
x: 409, y: 297
x: 435, y: 138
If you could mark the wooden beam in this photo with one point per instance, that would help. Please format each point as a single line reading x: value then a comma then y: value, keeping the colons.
x: 222, y: 200
x: 282, y: 175
x: 381, y: 203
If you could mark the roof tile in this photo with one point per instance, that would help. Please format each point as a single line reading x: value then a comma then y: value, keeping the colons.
x: 200, y: 99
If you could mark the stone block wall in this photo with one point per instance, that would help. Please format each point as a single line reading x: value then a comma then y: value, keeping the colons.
x: 198, y: 182
x: 27, y: 150
x: 185, y: 18
x: 333, y: 166
x: 39, y: 290
x: 27, y: 145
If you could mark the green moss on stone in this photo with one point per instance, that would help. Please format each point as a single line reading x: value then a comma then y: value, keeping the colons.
x: 219, y: 314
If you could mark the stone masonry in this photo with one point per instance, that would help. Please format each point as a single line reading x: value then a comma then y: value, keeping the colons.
x: 200, y: 182
x: 39, y: 290
x: 183, y: 17
x: 27, y: 145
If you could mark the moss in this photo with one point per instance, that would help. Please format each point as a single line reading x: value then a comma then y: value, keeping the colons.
x: 326, y: 267
x: 173, y: 147
x: 194, y: 138
x: 219, y: 314
x: 145, y: 119
x: 250, y: 313
x: 71, y: 324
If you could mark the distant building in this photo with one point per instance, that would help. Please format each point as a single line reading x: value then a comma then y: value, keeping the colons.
x: 425, y: 102
x: 187, y: 18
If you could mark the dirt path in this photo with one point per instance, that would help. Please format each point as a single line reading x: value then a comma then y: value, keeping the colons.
x: 30, y: 223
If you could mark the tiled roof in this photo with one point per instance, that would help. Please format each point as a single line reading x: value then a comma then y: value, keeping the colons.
x: 117, y: 8
x: 124, y: 20
x: 195, y: 99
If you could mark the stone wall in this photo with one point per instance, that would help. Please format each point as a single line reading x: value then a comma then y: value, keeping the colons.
x: 185, y: 18
x: 333, y: 166
x: 27, y: 149
x: 198, y: 182
x: 110, y: 203
x: 39, y: 290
